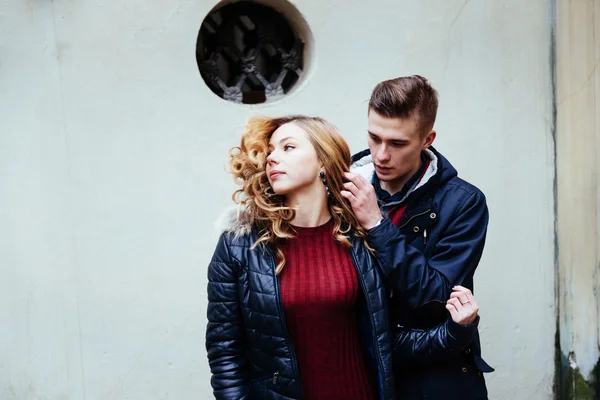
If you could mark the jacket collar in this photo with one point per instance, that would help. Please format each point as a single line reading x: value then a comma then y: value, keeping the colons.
x: 362, y: 163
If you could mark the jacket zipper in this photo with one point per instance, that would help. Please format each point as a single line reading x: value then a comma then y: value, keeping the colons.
x: 413, y: 217
x: 376, y: 347
x: 285, y: 330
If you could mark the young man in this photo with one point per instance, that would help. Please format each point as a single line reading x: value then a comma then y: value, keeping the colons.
x: 427, y: 227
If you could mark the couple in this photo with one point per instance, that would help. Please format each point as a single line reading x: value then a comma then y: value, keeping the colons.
x: 331, y: 284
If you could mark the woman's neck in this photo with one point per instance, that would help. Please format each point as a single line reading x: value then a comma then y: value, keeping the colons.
x: 311, y: 210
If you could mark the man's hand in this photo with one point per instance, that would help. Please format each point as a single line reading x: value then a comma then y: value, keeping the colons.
x: 361, y: 195
x: 462, y: 306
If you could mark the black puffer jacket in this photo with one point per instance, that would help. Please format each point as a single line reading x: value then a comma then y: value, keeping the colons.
x: 249, y: 349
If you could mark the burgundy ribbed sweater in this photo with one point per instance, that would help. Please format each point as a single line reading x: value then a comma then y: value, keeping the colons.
x: 319, y: 289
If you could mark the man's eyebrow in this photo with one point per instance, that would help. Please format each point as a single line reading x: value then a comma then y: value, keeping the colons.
x: 389, y: 140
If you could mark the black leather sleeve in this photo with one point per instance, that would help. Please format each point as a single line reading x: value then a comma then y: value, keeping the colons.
x: 438, y: 343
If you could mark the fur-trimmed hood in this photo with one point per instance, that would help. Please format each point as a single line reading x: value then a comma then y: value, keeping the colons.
x: 234, y: 219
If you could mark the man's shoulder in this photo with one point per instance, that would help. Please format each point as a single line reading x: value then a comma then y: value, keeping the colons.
x: 460, y: 184
x: 456, y: 192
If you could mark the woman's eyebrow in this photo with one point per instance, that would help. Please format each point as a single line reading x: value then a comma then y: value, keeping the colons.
x: 282, y: 140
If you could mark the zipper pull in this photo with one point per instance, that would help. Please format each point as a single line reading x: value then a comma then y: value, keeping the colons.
x: 424, y: 236
x: 275, y: 377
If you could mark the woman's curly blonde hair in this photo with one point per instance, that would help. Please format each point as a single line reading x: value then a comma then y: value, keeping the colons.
x: 265, y: 209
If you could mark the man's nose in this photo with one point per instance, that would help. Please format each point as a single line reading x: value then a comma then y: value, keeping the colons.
x: 383, y: 154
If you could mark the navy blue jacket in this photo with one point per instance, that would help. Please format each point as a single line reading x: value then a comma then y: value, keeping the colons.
x: 437, y: 245
x: 249, y: 349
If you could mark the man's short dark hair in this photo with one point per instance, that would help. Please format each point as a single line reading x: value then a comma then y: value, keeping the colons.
x: 404, y: 97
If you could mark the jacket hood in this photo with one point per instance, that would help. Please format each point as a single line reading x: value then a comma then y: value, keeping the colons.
x: 234, y: 219
x: 438, y: 172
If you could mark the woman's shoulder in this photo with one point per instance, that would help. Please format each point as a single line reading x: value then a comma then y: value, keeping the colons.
x: 235, y: 227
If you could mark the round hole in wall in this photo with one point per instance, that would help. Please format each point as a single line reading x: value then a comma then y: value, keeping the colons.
x: 253, y: 52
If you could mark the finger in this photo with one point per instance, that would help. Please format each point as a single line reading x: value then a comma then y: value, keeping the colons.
x: 348, y: 195
x: 470, y: 311
x: 456, y: 303
x: 470, y: 295
x: 357, y: 179
x: 462, y: 289
x: 351, y: 187
x: 351, y: 177
x: 461, y: 296
x: 361, y: 182
x: 453, y: 312
x: 474, y: 305
x: 459, y: 288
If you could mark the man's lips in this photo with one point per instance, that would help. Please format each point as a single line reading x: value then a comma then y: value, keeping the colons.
x: 382, y: 169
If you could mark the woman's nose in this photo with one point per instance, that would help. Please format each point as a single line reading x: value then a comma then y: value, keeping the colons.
x: 271, y: 159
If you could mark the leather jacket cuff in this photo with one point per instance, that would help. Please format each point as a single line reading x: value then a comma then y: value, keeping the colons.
x: 462, y: 334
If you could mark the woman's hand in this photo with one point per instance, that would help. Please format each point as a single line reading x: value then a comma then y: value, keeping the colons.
x: 462, y: 306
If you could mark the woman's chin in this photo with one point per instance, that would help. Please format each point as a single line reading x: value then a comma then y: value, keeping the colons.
x: 280, y: 191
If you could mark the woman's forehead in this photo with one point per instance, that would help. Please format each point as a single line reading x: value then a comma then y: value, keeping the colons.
x: 287, y: 131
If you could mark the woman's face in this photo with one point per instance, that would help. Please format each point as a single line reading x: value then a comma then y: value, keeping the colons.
x: 292, y: 163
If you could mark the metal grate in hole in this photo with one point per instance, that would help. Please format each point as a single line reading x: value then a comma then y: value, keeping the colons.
x: 248, y: 53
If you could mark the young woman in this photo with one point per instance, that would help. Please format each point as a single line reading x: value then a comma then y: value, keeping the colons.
x: 297, y: 308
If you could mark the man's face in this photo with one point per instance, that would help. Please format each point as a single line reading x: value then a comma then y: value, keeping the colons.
x: 396, y: 145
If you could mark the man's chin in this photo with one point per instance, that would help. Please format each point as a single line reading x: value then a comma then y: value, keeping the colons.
x: 385, y: 176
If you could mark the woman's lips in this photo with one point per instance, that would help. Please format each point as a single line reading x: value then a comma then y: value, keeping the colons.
x: 275, y: 174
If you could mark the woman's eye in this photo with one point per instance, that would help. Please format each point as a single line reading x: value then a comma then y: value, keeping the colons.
x: 287, y: 147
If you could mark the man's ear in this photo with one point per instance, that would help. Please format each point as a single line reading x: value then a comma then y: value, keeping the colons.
x: 429, y: 139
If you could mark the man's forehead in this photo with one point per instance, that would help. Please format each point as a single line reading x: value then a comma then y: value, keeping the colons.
x: 379, y: 120
x: 393, y: 128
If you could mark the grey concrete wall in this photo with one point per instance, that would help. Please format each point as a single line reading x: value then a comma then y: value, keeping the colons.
x: 111, y: 155
x: 578, y: 196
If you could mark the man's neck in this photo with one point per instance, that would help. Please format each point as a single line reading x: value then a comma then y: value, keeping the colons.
x: 393, y: 187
